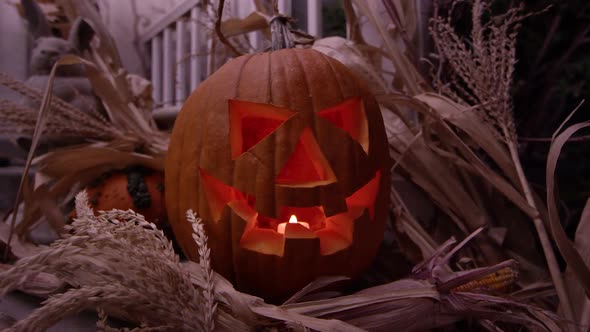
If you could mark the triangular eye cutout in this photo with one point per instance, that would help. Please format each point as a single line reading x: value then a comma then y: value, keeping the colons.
x: 350, y: 117
x: 251, y: 122
x: 307, y: 166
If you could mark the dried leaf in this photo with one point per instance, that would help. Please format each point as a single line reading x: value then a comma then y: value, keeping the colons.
x: 78, y: 159
x: 479, y: 132
x: 351, y: 55
x: 353, y: 29
x: 575, y: 262
x: 580, y: 301
x: 474, y: 163
x: 41, y: 285
x: 313, y: 286
x: 39, y: 127
x: 405, y: 70
x: 406, y: 223
x: 122, y: 113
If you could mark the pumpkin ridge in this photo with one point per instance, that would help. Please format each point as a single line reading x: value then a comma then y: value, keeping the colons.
x: 307, y: 87
x: 277, y: 138
x: 269, y: 79
x: 312, y: 98
x: 228, y: 225
x: 173, y: 192
x: 194, y: 198
x: 239, y: 75
x: 282, y: 61
x: 177, y: 197
x: 329, y: 63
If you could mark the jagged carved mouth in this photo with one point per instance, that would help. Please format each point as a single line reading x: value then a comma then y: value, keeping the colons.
x: 266, y: 235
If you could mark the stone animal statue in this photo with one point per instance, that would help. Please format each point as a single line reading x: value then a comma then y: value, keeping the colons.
x: 70, y: 83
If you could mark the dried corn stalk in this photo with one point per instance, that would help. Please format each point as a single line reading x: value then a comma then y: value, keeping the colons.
x: 463, y: 152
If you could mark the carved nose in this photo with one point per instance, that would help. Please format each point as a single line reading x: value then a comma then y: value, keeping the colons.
x: 307, y: 166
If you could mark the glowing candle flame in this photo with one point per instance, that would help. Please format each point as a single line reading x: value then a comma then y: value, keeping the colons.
x: 293, y: 220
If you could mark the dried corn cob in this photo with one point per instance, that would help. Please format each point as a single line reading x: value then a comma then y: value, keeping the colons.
x: 498, y: 281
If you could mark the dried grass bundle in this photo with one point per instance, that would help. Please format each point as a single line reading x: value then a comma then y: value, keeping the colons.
x: 119, y: 264
x: 481, y: 71
x: 19, y: 120
x: 60, y: 107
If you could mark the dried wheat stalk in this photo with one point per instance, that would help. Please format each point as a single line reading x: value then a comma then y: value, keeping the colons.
x: 200, y: 238
x: 21, y: 120
x: 58, y: 105
x: 118, y: 262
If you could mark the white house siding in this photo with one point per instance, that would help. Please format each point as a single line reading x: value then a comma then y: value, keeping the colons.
x: 13, y: 45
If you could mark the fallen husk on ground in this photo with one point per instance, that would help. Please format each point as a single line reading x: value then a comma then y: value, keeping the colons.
x: 121, y: 265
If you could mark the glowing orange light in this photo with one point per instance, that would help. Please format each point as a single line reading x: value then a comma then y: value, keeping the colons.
x: 293, y: 220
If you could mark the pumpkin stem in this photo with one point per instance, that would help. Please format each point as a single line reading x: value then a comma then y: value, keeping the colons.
x: 280, y: 30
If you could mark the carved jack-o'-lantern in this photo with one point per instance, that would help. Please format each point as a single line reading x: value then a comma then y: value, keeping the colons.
x: 274, y: 137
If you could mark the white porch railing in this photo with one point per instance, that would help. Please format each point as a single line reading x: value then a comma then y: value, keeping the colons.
x: 179, y: 45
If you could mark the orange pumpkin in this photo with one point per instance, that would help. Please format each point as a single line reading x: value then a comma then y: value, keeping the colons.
x: 269, y: 136
x: 139, y: 189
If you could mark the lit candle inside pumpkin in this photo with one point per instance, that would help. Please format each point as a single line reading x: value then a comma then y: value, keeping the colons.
x: 293, y: 220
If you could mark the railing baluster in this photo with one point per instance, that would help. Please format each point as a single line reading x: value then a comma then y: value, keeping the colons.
x: 195, y: 39
x: 168, y: 80
x: 181, y: 59
x: 314, y: 17
x: 245, y: 8
x: 157, y: 68
x: 285, y: 7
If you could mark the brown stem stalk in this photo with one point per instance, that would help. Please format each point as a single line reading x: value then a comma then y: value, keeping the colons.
x: 352, y: 23
x: 583, y: 138
x: 220, y: 34
x: 542, y: 232
x: 281, y: 37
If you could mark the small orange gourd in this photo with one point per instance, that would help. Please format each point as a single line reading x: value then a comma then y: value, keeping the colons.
x: 139, y: 189
x: 270, y: 136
